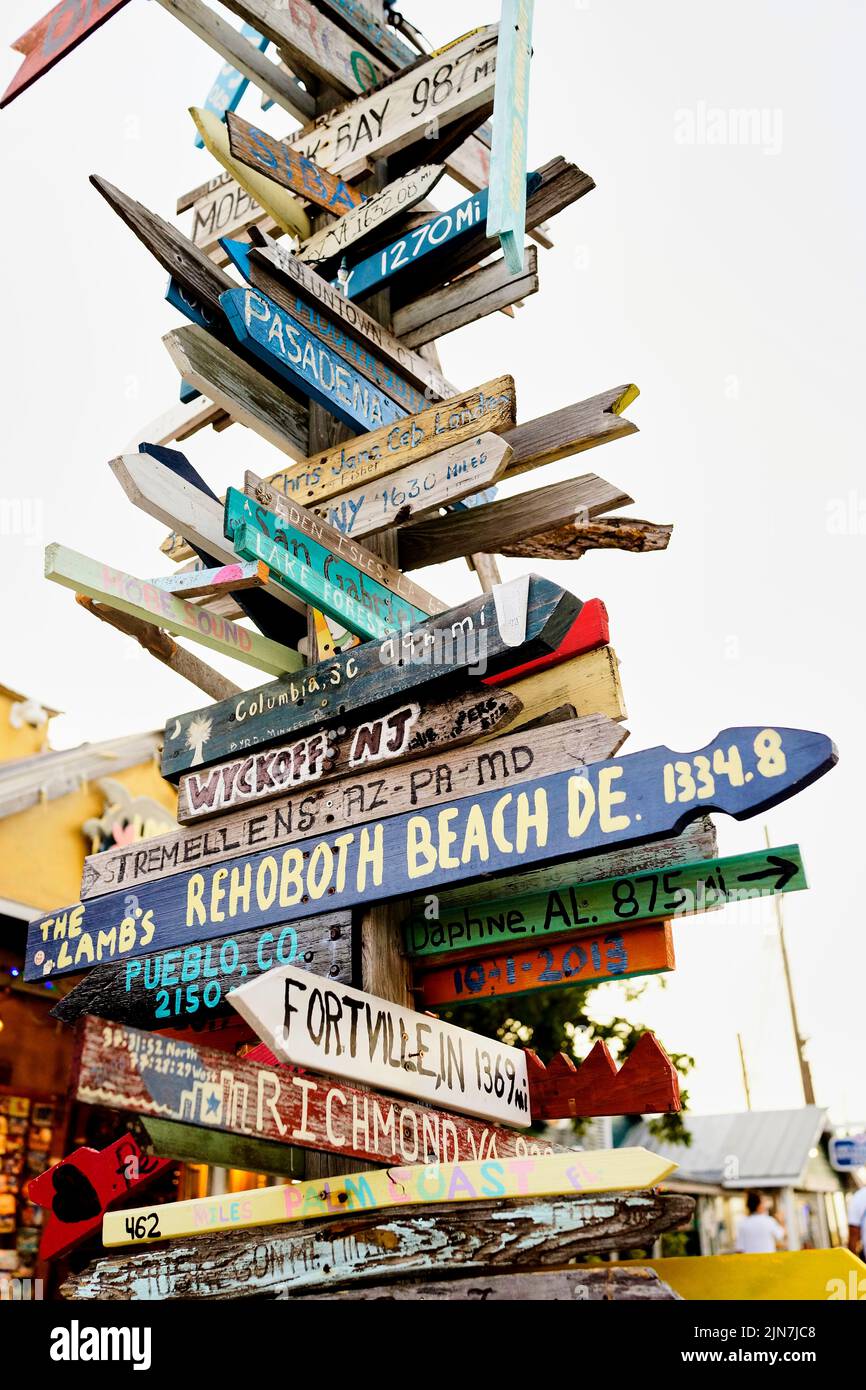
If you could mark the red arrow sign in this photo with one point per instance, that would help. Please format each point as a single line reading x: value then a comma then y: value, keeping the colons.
x: 55, y: 35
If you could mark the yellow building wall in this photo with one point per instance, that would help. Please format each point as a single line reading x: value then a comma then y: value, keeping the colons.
x: 23, y: 742
x: 42, y: 850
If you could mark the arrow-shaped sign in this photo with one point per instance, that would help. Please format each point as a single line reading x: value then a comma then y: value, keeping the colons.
x: 55, y: 35
x: 557, y: 1175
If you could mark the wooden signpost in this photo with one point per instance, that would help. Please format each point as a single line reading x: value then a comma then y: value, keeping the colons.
x: 298, y: 174
x: 361, y: 797
x: 492, y: 634
x: 78, y: 1191
x: 188, y: 987
x: 437, y: 240
x: 55, y: 35
x: 149, y: 1075
x: 638, y: 797
x: 579, y: 907
x: 164, y: 610
x: 328, y: 1256
x: 280, y: 340
x: 322, y: 297
x: 490, y: 407
x: 286, y: 210
x: 556, y: 1175
x: 306, y: 36
x: 227, y: 579
x: 223, y: 208
x: 356, y: 350
x: 486, y: 290
x: 361, y: 1038
x: 506, y: 216
x: 445, y: 87
x: 395, y: 200
x: 645, y: 949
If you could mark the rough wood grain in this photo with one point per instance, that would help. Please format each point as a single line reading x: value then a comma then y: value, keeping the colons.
x: 158, y: 643
x: 471, y: 297
x: 54, y: 36
x: 154, y: 991
x: 647, y: 1083
x: 571, y: 430
x: 572, y: 541
x: 256, y: 149
x: 311, y: 43
x: 207, y: 583
x: 359, y: 798
x: 373, y: 218
x: 537, y: 1235
x: 604, y: 1284
x: 491, y: 407
x: 284, y: 207
x: 196, y: 1144
x: 510, y: 519
x: 240, y: 389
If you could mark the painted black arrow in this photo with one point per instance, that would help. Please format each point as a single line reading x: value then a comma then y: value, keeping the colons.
x: 783, y: 871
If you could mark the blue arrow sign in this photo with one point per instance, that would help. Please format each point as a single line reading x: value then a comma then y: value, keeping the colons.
x: 279, y: 339
x: 629, y: 800
x: 449, y: 229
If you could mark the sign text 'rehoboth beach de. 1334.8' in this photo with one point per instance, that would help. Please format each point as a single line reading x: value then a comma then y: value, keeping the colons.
x: 638, y: 797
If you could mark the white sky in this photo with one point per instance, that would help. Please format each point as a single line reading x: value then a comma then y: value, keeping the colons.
x: 726, y: 281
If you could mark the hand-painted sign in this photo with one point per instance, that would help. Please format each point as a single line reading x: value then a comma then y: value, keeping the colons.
x: 358, y: 1037
x: 282, y: 206
x: 366, y: 595
x: 472, y: 638
x: 188, y: 987
x: 846, y: 1155
x: 319, y: 295
x: 157, y: 606
x: 638, y: 797
x: 442, y: 88
x: 225, y: 580
x: 579, y: 907
x: 226, y: 93
x: 441, y: 236
x: 280, y: 340
x: 78, y: 1191
x: 304, y: 35
x: 557, y: 1175
x: 55, y: 35
x: 395, y: 200
x: 647, y: 1083
x: 146, y: 1074
x: 506, y: 217
x: 358, y: 19
x: 371, y: 743
x: 371, y: 792
x: 645, y: 949
x: 360, y: 356
x: 226, y: 210
x: 381, y: 452
x: 419, y: 490
x: 295, y: 172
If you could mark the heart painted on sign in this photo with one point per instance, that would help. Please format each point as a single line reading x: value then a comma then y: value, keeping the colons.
x: 75, y: 1197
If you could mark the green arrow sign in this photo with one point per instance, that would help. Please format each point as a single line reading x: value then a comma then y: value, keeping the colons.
x: 675, y: 892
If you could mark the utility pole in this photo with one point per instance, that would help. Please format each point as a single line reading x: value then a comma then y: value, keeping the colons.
x: 799, y: 1040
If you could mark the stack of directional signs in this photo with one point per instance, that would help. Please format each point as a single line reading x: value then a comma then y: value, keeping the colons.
x: 419, y: 806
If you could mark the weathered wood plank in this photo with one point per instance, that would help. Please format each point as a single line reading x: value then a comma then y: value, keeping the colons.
x: 277, y: 161
x: 360, y: 1250
x: 307, y: 38
x: 642, y: 949
x: 209, y: 26
x: 647, y: 1083
x: 557, y: 1175
x: 54, y: 36
x: 227, y: 579
x: 367, y: 794
x: 227, y: 210
x: 490, y: 407
x: 572, y: 541
x: 510, y: 519
x: 507, y: 213
x: 151, y: 1075
x: 149, y: 604
x: 197, y: 1144
x: 243, y: 392
x: 283, y: 206
x: 188, y: 987
x: 378, y: 671
x: 605, y: 1284
x: 638, y: 797
x: 394, y: 200
x: 180, y: 422
x: 483, y: 291
x: 158, y: 643
x: 571, y: 430
x: 572, y: 908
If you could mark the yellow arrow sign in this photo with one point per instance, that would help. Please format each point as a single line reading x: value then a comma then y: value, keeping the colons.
x: 555, y: 1175
x: 809, y: 1275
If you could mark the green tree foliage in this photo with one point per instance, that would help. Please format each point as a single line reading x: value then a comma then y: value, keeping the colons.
x: 561, y: 1020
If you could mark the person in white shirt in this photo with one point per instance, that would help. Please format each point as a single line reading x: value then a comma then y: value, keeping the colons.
x: 857, y: 1223
x: 759, y: 1233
